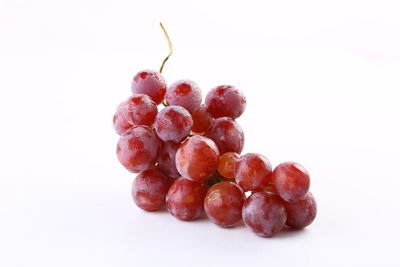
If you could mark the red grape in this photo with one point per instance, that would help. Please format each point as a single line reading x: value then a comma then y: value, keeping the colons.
x: 202, y: 120
x: 225, y: 101
x: 150, y: 189
x: 184, y: 93
x: 197, y: 158
x: 185, y: 199
x: 173, y: 124
x: 226, y: 165
x: 138, y: 109
x: 291, y: 181
x: 227, y: 134
x: 137, y: 148
x: 301, y: 213
x: 253, y: 172
x: 223, y: 204
x: 264, y: 214
x: 151, y: 83
x: 166, y: 159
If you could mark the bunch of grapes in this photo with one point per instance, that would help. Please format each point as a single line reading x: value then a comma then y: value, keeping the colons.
x: 187, y: 156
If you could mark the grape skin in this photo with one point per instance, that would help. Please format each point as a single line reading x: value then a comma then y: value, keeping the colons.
x: 173, y: 124
x: 225, y: 101
x: 166, y: 159
x: 185, y: 199
x: 151, y: 83
x: 264, y: 214
x: 226, y: 165
x: 184, y: 93
x: 138, y: 109
x: 202, y: 120
x: 150, y: 188
x: 253, y: 172
x: 301, y: 213
x: 197, y: 158
x: 227, y: 134
x: 138, y: 148
x: 223, y: 204
x: 291, y: 181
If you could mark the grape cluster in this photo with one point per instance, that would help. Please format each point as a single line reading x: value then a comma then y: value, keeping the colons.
x: 187, y: 156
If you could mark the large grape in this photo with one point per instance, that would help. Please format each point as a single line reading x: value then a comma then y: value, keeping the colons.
x: 225, y: 101
x: 227, y: 134
x: 301, y: 213
x: 184, y: 93
x: 151, y: 83
x: 173, y: 124
x: 253, y: 172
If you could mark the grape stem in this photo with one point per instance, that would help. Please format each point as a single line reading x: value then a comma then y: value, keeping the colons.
x: 169, y: 46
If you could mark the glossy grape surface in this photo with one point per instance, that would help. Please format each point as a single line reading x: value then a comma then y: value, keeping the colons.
x: 253, y: 172
x: 202, y: 120
x: 166, y: 159
x: 138, y: 109
x: 151, y: 83
x: 301, y: 213
x: 150, y: 189
x: 223, y: 204
x: 138, y: 148
x: 225, y: 101
x: 184, y: 93
x: 226, y: 165
x: 264, y: 214
x: 173, y: 124
x: 197, y: 158
x: 185, y: 199
x: 227, y: 134
x: 291, y: 181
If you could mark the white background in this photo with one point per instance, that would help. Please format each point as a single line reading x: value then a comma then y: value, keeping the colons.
x: 322, y: 81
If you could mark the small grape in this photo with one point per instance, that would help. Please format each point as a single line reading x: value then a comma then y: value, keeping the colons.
x: 150, y: 189
x: 166, y: 159
x: 138, y: 148
x: 227, y: 134
x: 223, y: 204
x: 197, y: 158
x: 202, y: 120
x: 184, y: 93
x: 253, y: 172
x: 151, y: 83
x: 225, y: 101
x: 264, y: 214
x: 291, y: 181
x: 226, y: 165
x: 301, y: 213
x: 185, y: 199
x: 173, y: 124
x: 138, y: 109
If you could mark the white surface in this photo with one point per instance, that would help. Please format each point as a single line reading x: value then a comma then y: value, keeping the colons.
x: 322, y: 81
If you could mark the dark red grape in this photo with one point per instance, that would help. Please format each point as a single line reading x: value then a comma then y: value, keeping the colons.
x: 173, y: 124
x: 138, y: 109
x: 150, y: 189
x: 291, y: 181
x: 138, y: 148
x: 184, y: 93
x: 264, y: 214
x: 166, y: 159
x: 226, y: 165
x: 301, y: 213
x: 185, y: 199
x: 253, y: 172
x: 202, y: 120
x: 227, y: 134
x: 223, y: 204
x: 225, y: 101
x: 197, y: 158
x: 151, y: 83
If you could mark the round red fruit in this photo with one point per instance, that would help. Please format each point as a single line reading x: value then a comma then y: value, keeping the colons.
x: 202, y: 120
x: 150, y: 189
x: 185, y: 199
x: 197, y: 158
x: 223, y: 204
x: 184, y: 93
x: 138, y: 148
x: 166, y: 159
x: 151, y: 83
x: 227, y: 134
x: 173, y: 124
x: 225, y: 101
x: 264, y: 214
x: 301, y: 213
x: 226, y: 165
x: 253, y: 172
x: 291, y: 181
